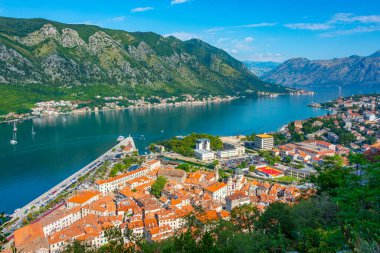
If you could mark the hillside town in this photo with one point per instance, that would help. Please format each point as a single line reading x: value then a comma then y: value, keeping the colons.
x: 202, y: 176
x: 126, y: 201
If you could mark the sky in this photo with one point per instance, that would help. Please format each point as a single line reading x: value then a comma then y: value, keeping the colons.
x: 266, y: 30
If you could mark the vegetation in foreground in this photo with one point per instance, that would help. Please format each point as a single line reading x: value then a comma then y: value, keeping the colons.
x: 344, y: 215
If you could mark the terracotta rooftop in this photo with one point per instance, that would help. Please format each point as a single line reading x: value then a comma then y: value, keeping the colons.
x: 83, y: 196
x: 215, y: 187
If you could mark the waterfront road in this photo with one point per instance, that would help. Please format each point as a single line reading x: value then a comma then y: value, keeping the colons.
x: 54, y: 192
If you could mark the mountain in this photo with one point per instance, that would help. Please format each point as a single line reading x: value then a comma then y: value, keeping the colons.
x: 260, y: 68
x: 338, y: 71
x: 39, y: 51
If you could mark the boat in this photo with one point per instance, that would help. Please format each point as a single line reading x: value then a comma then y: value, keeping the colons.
x: 14, y: 137
x: 162, y: 131
x: 33, y: 132
x: 120, y: 138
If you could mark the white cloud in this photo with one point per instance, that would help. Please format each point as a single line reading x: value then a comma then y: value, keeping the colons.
x: 118, y: 19
x: 236, y: 46
x: 258, y: 25
x: 183, y: 35
x: 141, y: 9
x: 350, y: 18
x: 309, y: 26
x: 342, y: 24
x: 179, y: 1
x: 354, y: 30
x: 248, y: 39
x: 217, y: 29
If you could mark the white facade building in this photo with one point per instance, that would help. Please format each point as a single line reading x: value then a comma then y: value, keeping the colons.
x: 264, y: 141
x: 204, y: 155
x: 203, y: 144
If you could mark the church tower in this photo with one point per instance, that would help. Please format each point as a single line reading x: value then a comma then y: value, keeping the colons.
x: 216, y: 172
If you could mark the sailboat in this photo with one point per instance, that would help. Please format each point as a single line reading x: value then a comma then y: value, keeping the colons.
x: 14, y: 138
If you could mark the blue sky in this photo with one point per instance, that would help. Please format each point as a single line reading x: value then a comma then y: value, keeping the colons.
x: 247, y: 29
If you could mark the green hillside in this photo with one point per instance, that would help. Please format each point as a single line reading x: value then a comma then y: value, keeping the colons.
x: 39, y: 51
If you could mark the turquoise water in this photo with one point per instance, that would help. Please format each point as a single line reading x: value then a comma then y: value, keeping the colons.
x: 64, y: 144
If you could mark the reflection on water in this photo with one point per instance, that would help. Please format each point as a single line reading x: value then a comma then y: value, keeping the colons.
x: 64, y: 144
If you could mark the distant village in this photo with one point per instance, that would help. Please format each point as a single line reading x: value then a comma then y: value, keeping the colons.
x: 54, y: 108
x: 153, y: 197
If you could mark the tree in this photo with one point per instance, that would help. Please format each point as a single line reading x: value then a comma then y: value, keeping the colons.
x: 207, y: 243
x: 76, y: 247
x: 252, y: 168
x: 184, y: 166
x: 276, y: 220
x: 245, y: 217
x: 243, y: 165
x: 215, y: 163
x: 115, y: 239
x: 158, y: 186
x: 185, y: 242
x: 287, y: 159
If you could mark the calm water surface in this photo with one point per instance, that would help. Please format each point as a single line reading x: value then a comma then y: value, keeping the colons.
x: 64, y: 144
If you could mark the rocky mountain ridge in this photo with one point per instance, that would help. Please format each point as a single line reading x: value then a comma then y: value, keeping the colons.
x: 52, y: 53
x: 353, y: 70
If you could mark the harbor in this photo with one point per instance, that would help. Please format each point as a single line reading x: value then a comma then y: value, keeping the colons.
x: 66, y: 185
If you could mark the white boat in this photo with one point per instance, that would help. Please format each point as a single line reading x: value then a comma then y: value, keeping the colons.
x: 14, y: 137
x: 120, y: 138
x: 33, y: 132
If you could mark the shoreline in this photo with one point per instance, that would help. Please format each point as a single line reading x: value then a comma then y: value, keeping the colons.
x: 131, y: 107
x: 211, y: 100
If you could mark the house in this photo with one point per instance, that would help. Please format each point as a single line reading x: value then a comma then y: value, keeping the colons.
x: 218, y: 190
x: 82, y: 198
x: 109, y: 185
x: 332, y: 137
x: 176, y: 175
x: 60, y: 219
x: 237, y: 199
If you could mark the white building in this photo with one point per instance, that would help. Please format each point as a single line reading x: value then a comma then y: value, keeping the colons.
x: 218, y: 191
x: 60, y: 219
x: 204, y: 155
x: 227, y: 153
x: 264, y: 141
x: 109, y: 185
x: 230, y: 150
x: 369, y: 116
x: 203, y: 144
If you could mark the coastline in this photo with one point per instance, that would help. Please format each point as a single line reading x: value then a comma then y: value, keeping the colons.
x: 131, y: 107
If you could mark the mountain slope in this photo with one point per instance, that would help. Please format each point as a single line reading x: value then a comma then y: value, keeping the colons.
x: 52, y: 53
x: 261, y: 68
x: 339, y: 71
